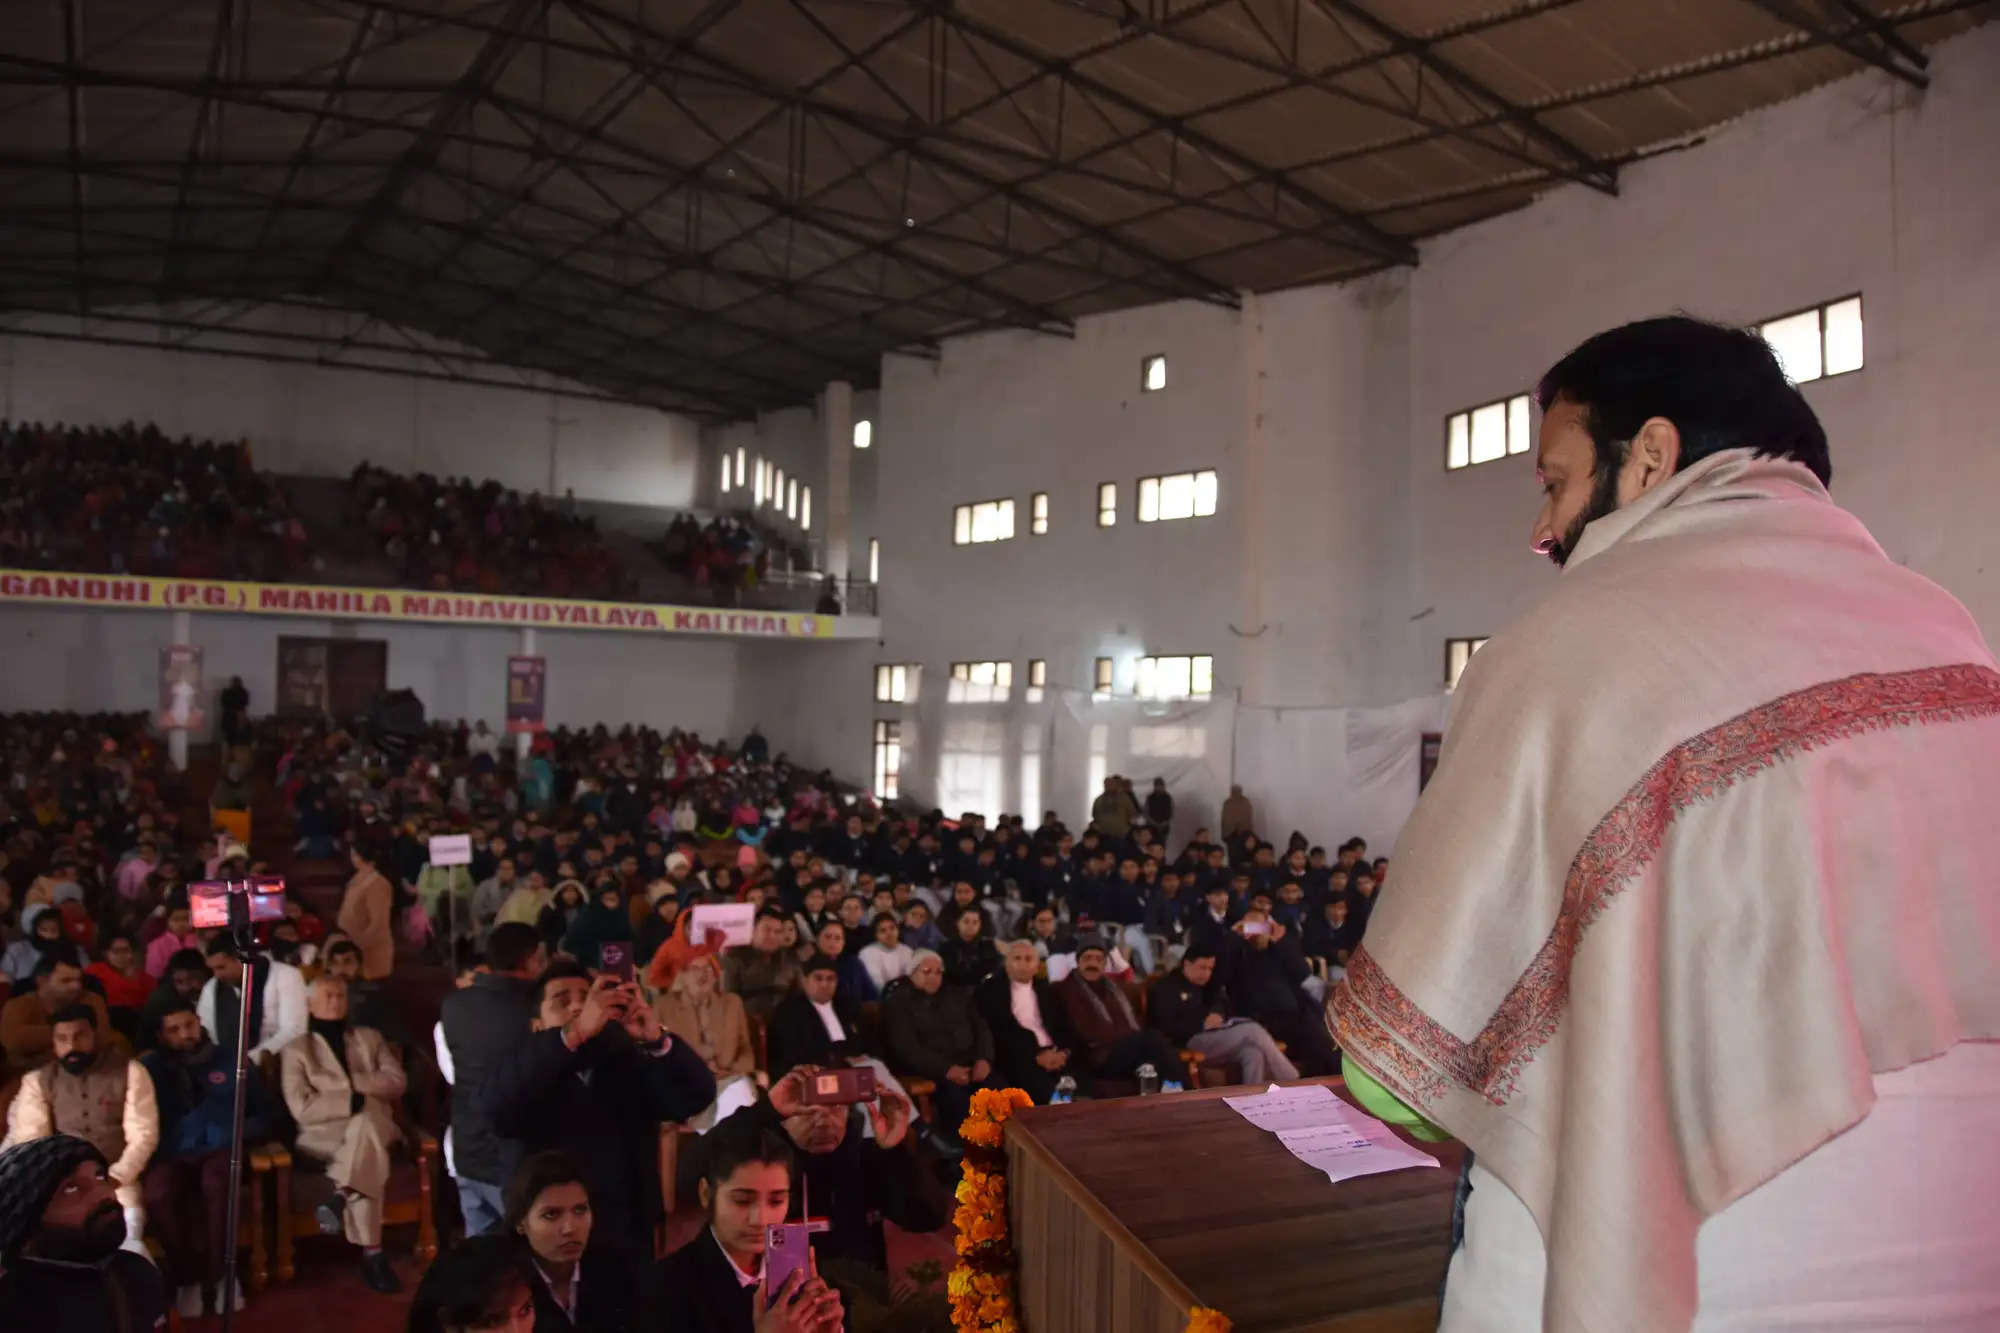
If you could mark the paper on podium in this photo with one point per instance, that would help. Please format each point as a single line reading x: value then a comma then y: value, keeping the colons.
x: 1326, y: 1133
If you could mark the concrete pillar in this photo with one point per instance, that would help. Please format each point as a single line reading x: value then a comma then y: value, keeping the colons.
x: 1255, y: 636
x: 836, y: 420
x: 177, y: 738
x: 524, y: 740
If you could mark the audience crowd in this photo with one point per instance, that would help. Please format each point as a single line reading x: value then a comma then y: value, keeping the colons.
x: 471, y: 536
x: 132, y: 501
x: 601, y: 1012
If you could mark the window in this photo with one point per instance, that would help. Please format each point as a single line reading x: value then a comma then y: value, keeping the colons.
x: 1489, y: 431
x: 741, y: 476
x: 805, y: 506
x: 874, y: 560
x: 888, y: 758
x: 1038, y: 514
x: 1183, y: 495
x: 1457, y: 653
x: 1176, y: 677
x: 777, y: 488
x: 792, y: 498
x: 896, y: 682
x: 728, y: 471
x: 1816, y: 343
x: 987, y: 521
x: 763, y: 478
x: 1107, y: 504
x: 980, y: 683
x: 1038, y: 680
x: 1031, y: 767
x: 1100, y: 679
x: 864, y: 433
x: 1152, y: 374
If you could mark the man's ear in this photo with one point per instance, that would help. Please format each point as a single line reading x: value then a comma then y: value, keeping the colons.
x: 703, y: 1195
x: 1655, y: 455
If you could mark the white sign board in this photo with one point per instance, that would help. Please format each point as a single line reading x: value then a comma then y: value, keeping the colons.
x: 734, y: 920
x: 451, y: 849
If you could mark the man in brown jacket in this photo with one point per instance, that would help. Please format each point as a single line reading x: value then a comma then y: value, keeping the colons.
x: 341, y: 1083
x: 102, y: 1097
x: 26, y: 1032
x: 368, y: 911
x: 1098, y: 1009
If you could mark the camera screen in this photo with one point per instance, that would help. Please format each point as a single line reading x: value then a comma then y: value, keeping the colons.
x: 209, y: 900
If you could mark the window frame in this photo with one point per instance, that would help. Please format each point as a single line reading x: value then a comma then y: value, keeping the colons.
x: 864, y: 433
x: 1820, y: 309
x: 971, y: 510
x: 1473, y: 643
x: 1507, y: 440
x: 875, y: 561
x: 1107, y: 514
x: 999, y: 689
x: 886, y: 777
x: 1139, y: 677
x: 1038, y: 513
x: 1159, y: 482
x: 1146, y: 364
x: 1103, y: 677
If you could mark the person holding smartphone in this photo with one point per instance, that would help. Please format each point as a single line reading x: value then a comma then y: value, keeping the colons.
x: 596, y: 1080
x: 722, y: 1280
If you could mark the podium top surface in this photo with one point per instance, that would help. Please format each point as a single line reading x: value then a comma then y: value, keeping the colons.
x: 1220, y: 1209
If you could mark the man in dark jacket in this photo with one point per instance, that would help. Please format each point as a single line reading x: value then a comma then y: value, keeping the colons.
x: 61, y: 1268
x: 1191, y: 1009
x: 1114, y: 1043
x: 596, y: 1081
x: 483, y: 1024
x: 1265, y: 967
x: 935, y: 1033
x: 1160, y: 810
x: 803, y: 1026
x: 187, y: 1182
x: 1033, y: 1043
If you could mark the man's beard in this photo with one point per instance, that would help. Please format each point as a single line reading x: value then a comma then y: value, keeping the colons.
x: 79, y: 1062
x: 1603, y: 500
x: 101, y: 1233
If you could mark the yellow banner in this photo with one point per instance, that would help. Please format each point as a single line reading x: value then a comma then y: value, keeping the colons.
x: 139, y: 593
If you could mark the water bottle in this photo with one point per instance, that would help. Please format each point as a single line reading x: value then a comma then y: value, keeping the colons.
x: 1065, y: 1091
x: 1149, y: 1079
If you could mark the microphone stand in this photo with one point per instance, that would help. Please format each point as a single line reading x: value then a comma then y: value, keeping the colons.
x: 240, y: 930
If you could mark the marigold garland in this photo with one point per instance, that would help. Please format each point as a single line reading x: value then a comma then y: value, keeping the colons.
x: 981, y: 1288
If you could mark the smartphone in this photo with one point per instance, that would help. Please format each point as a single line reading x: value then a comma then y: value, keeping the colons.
x: 834, y: 1087
x: 1256, y: 928
x: 616, y: 956
x: 787, y: 1250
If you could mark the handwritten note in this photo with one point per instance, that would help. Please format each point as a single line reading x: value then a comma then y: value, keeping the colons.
x: 1326, y: 1133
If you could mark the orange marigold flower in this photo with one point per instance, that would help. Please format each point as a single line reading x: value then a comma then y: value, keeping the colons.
x: 1202, y: 1319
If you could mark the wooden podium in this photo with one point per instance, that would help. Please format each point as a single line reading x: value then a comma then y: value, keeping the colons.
x: 1125, y: 1213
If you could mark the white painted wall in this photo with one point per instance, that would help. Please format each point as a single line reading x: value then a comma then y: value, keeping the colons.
x: 1861, y: 186
x: 1343, y: 555
x: 322, y: 421
x: 793, y: 439
x: 66, y: 658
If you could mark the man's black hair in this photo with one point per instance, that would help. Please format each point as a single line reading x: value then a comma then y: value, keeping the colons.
x: 342, y: 948
x: 738, y: 1141
x: 221, y: 946
x: 165, y: 1009
x: 1723, y: 388
x: 562, y: 969
x: 510, y: 945
x: 185, y: 960
x: 819, y: 962
x: 73, y: 1013
x: 1194, y: 953
x: 61, y: 953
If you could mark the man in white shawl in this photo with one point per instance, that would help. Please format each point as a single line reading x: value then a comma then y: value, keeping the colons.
x: 1694, y: 939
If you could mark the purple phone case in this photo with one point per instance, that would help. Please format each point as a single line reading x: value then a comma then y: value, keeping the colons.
x: 787, y: 1249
